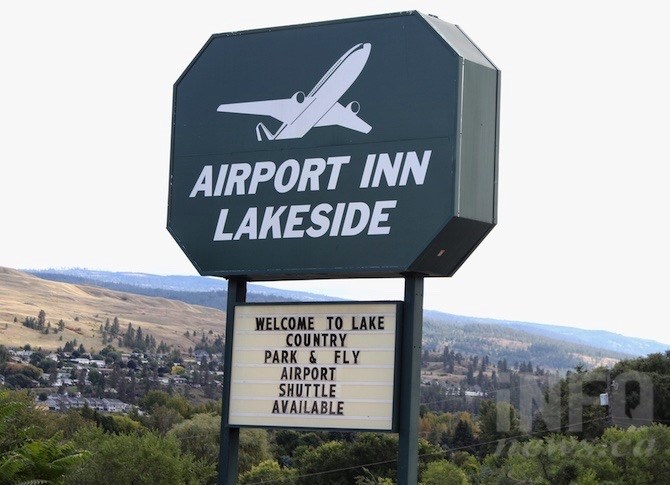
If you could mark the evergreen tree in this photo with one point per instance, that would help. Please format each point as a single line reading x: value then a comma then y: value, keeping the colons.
x: 139, y: 339
x: 129, y: 336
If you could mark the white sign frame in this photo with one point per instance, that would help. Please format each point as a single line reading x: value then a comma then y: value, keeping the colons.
x: 346, y: 379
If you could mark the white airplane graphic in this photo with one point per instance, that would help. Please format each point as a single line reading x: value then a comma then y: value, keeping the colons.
x: 320, y: 107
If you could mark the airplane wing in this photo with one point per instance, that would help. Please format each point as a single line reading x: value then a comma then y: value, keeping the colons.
x: 284, y: 110
x: 341, y: 116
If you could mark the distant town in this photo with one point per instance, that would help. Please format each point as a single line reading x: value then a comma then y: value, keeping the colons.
x: 110, y: 380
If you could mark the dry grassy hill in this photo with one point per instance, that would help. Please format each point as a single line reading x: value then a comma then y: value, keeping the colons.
x: 85, y: 308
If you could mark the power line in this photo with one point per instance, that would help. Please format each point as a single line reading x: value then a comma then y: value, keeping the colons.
x: 425, y: 455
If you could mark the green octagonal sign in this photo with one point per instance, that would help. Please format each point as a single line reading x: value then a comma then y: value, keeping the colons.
x: 361, y: 147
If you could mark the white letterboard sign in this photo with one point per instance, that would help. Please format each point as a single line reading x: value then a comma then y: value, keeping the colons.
x: 315, y: 365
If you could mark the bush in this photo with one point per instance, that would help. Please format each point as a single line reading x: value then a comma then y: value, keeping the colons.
x: 135, y: 459
x: 269, y: 471
x: 443, y: 473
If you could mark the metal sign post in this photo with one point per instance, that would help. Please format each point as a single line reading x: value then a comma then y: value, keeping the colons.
x: 410, y: 381
x: 230, y: 436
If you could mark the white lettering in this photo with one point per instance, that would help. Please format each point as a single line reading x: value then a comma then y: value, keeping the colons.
x: 337, y: 163
x: 263, y: 171
x: 271, y: 222
x: 246, y: 178
x: 204, y: 183
x: 390, y: 170
x: 367, y: 171
x: 219, y: 235
x: 348, y: 228
x: 311, y: 171
x: 223, y: 171
x: 294, y: 220
x: 418, y: 169
x: 239, y: 173
x: 320, y: 220
x: 337, y: 219
x: 249, y: 225
x: 379, y: 216
x: 294, y: 166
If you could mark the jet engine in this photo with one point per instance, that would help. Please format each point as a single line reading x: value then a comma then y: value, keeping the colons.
x: 354, y: 107
x: 299, y: 97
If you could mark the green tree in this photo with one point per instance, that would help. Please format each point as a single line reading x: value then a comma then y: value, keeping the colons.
x: 463, y: 436
x: 30, y: 447
x: 129, y: 336
x: 657, y: 368
x: 254, y: 448
x: 369, y: 478
x: 443, y: 472
x: 41, y: 319
x: 269, y: 471
x: 115, y: 328
x: 4, y: 354
x: 498, y: 421
x: 159, y: 398
x: 199, y: 436
x: 126, y: 425
x: 287, y: 440
x: 40, y: 461
x: 136, y: 459
x: 97, y: 380
x: 163, y: 418
x: 555, y: 459
x: 343, y: 461
x: 378, y: 448
x: 332, y: 455
x: 19, y: 376
x: 641, y: 454
x: 139, y: 339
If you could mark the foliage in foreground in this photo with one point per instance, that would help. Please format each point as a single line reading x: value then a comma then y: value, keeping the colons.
x: 30, y: 446
x: 137, y: 459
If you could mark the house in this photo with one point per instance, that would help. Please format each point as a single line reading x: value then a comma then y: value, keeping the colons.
x: 64, y: 379
x: 200, y: 354
x: 475, y: 394
x: 22, y: 355
x: 56, y: 402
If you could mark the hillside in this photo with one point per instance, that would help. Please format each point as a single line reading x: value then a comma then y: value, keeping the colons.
x: 500, y: 342
x: 549, y: 346
x: 212, y: 292
x: 84, y: 309
x: 196, y: 290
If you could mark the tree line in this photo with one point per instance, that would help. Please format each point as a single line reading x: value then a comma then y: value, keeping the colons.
x: 172, y: 440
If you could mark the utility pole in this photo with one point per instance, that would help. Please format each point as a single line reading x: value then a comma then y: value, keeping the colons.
x: 606, y: 398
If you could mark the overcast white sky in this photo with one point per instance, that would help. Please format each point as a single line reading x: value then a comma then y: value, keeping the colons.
x: 582, y: 235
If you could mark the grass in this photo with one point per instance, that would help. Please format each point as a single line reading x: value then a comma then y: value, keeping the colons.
x: 84, y: 308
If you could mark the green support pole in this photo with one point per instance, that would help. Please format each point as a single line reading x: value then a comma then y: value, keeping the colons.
x: 230, y: 436
x: 410, y: 381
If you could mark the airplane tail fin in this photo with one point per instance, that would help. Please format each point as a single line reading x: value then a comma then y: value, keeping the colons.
x: 262, y: 130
